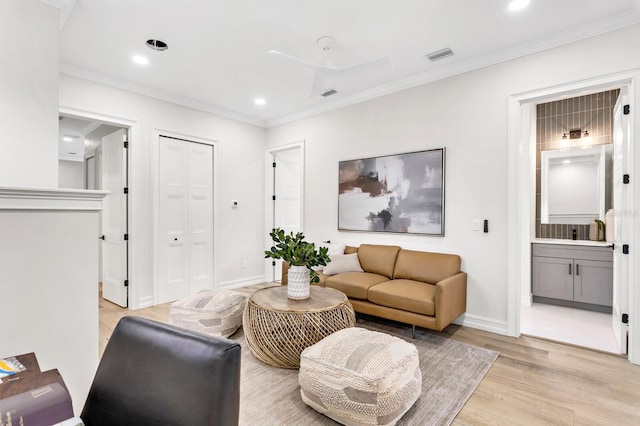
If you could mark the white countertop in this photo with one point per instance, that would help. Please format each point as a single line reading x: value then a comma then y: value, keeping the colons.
x: 570, y: 242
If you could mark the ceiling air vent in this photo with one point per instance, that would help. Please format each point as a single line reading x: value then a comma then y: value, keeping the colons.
x: 440, y: 54
x: 329, y: 92
x: 157, y: 45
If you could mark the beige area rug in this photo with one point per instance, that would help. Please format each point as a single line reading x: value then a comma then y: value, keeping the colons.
x: 451, y: 371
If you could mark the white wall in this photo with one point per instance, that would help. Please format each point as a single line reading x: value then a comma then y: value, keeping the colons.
x: 71, y: 174
x: 29, y: 94
x: 240, y: 177
x: 467, y: 114
x: 48, y: 281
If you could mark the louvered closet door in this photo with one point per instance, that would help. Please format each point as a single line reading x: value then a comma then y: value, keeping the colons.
x: 186, y: 219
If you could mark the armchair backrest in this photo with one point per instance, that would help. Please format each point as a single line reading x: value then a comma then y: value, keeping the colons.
x: 158, y: 374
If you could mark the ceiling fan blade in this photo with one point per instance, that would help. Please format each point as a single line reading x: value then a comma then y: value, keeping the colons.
x: 300, y: 61
x: 373, y: 64
x: 319, y: 81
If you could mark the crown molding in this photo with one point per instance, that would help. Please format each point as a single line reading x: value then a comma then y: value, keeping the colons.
x: 519, y: 51
x: 65, y: 6
x: 157, y: 94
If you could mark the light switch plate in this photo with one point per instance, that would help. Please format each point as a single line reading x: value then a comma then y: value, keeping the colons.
x: 475, y: 225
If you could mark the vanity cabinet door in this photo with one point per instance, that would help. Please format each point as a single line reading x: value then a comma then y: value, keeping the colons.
x: 593, y: 282
x: 552, y: 277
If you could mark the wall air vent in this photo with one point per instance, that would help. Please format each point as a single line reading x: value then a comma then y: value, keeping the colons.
x: 329, y: 92
x: 440, y: 54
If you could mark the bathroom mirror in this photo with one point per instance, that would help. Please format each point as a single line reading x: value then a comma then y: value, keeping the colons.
x: 575, y: 184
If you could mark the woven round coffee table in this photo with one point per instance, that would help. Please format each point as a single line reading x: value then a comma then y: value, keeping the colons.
x: 278, y: 329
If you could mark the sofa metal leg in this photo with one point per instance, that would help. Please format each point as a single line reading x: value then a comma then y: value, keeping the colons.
x: 414, y: 331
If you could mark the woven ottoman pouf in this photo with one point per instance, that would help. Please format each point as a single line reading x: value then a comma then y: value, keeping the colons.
x: 360, y: 377
x: 214, y: 312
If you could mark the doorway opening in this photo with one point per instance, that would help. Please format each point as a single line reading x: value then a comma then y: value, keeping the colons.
x: 284, y: 168
x: 93, y: 155
x: 572, y: 268
x: 523, y: 228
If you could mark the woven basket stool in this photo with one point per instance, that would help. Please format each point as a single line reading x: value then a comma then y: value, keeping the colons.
x: 360, y: 377
x: 214, y: 312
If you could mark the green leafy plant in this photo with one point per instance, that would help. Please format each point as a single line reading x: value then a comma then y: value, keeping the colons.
x: 295, y: 250
x: 601, y: 227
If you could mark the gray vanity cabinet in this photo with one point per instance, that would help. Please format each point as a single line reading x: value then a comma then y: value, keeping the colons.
x: 593, y: 282
x: 582, y: 274
x: 552, y: 277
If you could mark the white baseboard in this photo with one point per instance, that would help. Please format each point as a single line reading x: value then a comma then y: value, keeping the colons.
x: 526, y: 299
x: 258, y: 279
x: 144, y: 302
x: 482, y: 323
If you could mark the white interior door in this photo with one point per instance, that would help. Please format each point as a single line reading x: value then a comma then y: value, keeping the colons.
x: 622, y: 214
x: 185, y: 254
x: 200, y: 216
x: 114, y: 218
x: 287, y: 206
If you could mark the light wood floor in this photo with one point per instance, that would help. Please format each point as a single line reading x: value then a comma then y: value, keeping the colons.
x: 532, y: 382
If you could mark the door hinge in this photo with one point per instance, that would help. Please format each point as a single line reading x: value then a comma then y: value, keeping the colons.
x: 126, y: 283
x: 274, y: 164
x: 273, y: 263
x: 625, y: 248
x: 626, y: 109
x: 126, y: 190
x: 625, y: 318
x: 625, y: 178
x: 274, y: 198
x: 126, y: 237
x: 126, y: 144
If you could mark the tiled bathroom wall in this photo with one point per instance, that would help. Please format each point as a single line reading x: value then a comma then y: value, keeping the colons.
x: 593, y: 113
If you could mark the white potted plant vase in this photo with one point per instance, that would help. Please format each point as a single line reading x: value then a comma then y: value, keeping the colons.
x: 298, y: 283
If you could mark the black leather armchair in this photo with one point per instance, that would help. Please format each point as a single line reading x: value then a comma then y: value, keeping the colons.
x: 157, y: 374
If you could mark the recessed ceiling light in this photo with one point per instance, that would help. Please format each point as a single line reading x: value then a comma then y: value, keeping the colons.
x: 67, y: 139
x: 140, y: 60
x: 518, y: 4
x: 260, y: 101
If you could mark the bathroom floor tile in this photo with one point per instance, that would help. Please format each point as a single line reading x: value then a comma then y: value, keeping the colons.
x: 575, y: 326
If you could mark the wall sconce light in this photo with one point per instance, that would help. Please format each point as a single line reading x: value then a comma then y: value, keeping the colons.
x: 575, y: 133
x: 564, y: 142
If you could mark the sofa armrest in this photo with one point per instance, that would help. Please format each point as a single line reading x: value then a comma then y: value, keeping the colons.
x: 450, y: 299
x: 285, y: 273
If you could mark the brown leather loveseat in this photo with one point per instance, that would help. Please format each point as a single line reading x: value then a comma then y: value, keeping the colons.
x: 414, y: 287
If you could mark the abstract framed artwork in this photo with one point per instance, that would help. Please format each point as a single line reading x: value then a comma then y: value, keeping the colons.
x: 401, y: 193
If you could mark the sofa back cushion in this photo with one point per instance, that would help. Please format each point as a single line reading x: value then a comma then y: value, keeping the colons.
x: 425, y: 266
x: 350, y: 249
x: 378, y: 259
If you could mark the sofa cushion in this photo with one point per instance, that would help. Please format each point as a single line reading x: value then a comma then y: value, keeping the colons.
x: 407, y: 295
x: 350, y: 249
x: 342, y: 263
x: 378, y: 259
x: 425, y: 266
x: 354, y: 284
